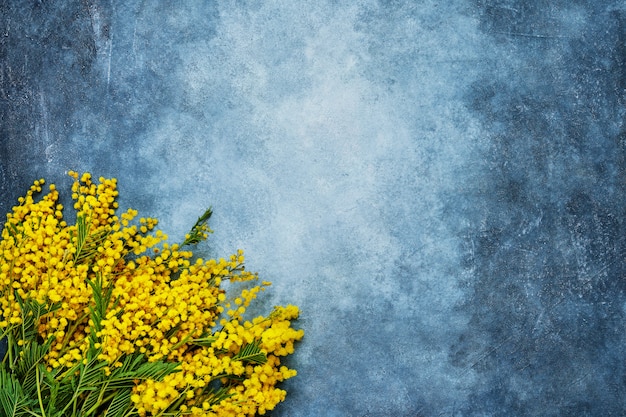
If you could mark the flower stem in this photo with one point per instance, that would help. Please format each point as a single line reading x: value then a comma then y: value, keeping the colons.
x: 43, y: 411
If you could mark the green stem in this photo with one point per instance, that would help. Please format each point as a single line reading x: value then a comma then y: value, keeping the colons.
x: 43, y: 411
x: 77, y: 391
x: 70, y: 332
x: 100, y: 401
x: 179, y: 401
x: 10, y: 347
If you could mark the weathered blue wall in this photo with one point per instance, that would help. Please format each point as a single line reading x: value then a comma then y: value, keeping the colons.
x: 439, y: 185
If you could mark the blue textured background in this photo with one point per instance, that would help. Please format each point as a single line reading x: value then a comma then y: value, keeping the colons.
x: 439, y: 185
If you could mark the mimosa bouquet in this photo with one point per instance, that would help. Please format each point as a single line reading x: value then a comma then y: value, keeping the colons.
x: 103, y: 317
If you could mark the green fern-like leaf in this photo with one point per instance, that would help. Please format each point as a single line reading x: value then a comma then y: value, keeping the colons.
x: 82, y: 230
x: 82, y: 380
x: 121, y: 403
x: 102, y: 298
x: 155, y: 370
x: 13, y: 230
x: 86, y: 244
x: 199, y: 230
x: 219, y: 395
x: 136, y: 367
x: 58, y: 394
x: 91, y: 401
x: 32, y: 311
x: 251, y: 352
x: 25, y: 370
x: 13, y: 400
x: 172, y: 331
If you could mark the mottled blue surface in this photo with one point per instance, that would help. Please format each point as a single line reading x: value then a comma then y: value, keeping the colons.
x: 439, y: 185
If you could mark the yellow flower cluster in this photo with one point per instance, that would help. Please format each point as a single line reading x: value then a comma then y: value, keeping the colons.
x: 164, y: 304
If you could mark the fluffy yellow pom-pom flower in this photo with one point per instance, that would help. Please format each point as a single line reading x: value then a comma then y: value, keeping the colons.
x: 105, y: 316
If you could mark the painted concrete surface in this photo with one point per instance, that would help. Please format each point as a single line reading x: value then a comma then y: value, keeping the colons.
x: 438, y: 185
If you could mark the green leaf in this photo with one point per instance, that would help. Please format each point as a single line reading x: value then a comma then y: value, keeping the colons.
x: 87, y: 244
x: 218, y: 396
x: 136, y: 367
x: 58, y: 395
x: 198, y: 232
x: 172, y: 331
x: 102, y: 298
x: 83, y: 378
x: 32, y: 311
x: 13, y: 230
x: 26, y: 367
x: 91, y: 401
x: 82, y: 230
x: 204, y: 341
x: 13, y: 401
x: 155, y: 370
x: 251, y: 352
x: 108, y: 387
x: 120, y: 404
